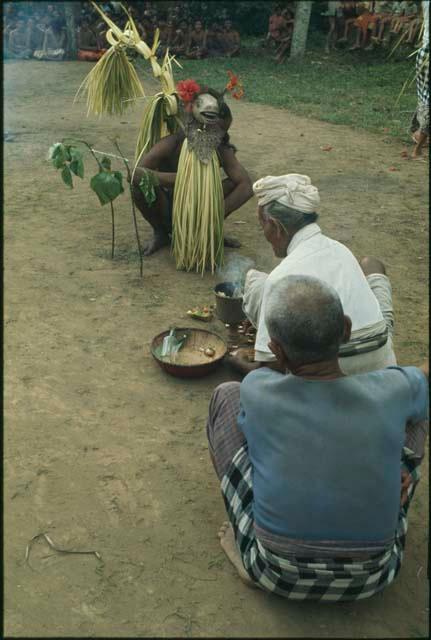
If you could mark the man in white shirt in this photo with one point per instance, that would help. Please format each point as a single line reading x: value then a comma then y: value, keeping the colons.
x: 287, y: 213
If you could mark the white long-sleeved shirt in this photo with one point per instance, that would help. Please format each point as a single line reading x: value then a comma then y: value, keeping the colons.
x: 314, y: 254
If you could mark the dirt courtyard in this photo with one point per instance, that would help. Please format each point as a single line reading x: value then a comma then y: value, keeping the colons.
x: 106, y: 452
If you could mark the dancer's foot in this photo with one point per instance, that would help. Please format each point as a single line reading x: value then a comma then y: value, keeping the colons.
x: 159, y: 240
x: 231, y: 243
x: 228, y: 544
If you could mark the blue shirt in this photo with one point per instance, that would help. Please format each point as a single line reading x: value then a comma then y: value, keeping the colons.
x: 326, y: 454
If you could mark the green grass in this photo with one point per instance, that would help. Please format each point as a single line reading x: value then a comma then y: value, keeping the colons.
x: 359, y: 89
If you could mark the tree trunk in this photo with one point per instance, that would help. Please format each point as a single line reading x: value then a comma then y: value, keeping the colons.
x: 300, y: 29
x: 69, y: 12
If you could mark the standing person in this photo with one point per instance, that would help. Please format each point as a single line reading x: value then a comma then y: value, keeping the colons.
x: 421, y: 118
x: 231, y: 40
x: 317, y: 469
x: 54, y: 42
x: 287, y: 212
x: 335, y: 15
x: 276, y: 25
x: 197, y: 47
x: 18, y: 46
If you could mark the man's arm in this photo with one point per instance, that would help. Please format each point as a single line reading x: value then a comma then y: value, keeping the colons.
x: 243, y: 189
x: 156, y: 158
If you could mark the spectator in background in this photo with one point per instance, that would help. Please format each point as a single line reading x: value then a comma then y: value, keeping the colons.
x: 180, y: 40
x: 18, y: 42
x: 148, y: 26
x: 215, y: 40
x: 197, y: 47
x: 54, y: 42
x: 335, y: 16
x: 412, y: 29
x: 350, y: 13
x: 167, y: 32
x: 35, y: 33
x: 406, y: 12
x: 230, y: 40
x: 89, y: 45
x: 363, y: 23
x: 286, y: 34
x: 385, y: 15
x: 9, y: 24
x: 381, y: 11
x: 277, y: 24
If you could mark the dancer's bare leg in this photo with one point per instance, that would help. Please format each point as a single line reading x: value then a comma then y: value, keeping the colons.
x: 420, y: 138
x: 153, y: 214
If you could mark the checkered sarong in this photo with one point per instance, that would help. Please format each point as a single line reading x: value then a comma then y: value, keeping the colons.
x: 299, y: 578
x: 422, y: 75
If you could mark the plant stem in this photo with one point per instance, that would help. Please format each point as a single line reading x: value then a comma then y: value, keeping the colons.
x: 88, y: 146
x: 113, y: 230
x: 129, y: 176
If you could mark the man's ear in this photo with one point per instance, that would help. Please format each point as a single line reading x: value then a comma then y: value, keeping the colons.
x: 278, y: 227
x: 347, y: 330
x: 279, y: 354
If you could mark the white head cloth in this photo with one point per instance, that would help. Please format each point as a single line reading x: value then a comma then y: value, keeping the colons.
x: 293, y: 190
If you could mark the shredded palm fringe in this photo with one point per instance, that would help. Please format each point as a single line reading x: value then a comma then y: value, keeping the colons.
x: 198, y: 213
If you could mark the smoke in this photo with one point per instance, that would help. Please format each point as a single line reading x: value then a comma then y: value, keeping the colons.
x: 234, y: 271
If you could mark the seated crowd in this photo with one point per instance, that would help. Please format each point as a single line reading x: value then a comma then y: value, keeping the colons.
x: 38, y: 30
x: 372, y: 23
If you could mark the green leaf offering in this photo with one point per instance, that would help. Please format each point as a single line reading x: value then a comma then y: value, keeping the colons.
x: 107, y: 185
x: 67, y: 176
x: 147, y: 185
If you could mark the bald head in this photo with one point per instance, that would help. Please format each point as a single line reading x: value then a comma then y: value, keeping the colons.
x: 305, y: 318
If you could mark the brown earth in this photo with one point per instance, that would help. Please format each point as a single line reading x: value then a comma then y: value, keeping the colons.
x: 102, y: 449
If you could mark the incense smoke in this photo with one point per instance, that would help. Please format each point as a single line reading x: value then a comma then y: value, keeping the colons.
x: 234, y: 271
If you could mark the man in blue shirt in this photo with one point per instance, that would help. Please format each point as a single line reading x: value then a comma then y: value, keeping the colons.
x: 317, y: 468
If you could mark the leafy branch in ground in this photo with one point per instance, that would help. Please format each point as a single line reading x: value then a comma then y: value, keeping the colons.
x: 129, y: 179
x: 106, y: 184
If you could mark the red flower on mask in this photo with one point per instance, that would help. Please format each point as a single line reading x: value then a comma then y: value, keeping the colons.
x: 188, y: 90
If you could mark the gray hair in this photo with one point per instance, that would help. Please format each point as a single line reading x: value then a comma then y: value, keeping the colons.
x: 304, y: 315
x: 287, y: 217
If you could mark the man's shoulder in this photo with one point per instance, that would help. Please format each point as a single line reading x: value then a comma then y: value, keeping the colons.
x: 259, y: 377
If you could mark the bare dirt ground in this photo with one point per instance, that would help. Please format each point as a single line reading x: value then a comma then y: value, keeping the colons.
x: 106, y: 452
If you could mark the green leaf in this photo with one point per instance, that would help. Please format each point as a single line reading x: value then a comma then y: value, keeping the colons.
x: 106, y: 163
x: 77, y: 166
x: 107, y: 186
x: 147, y: 185
x: 59, y: 155
x: 67, y: 177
